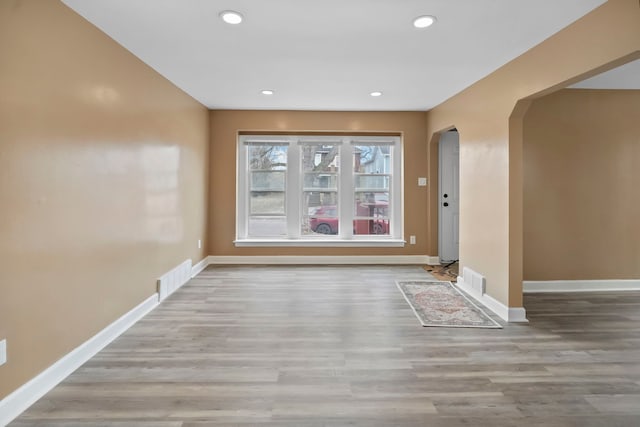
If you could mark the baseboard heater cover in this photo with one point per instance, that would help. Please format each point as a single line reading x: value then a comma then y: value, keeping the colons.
x: 172, y: 280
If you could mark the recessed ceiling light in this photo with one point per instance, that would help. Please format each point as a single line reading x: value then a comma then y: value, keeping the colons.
x: 424, y: 21
x: 267, y: 92
x: 231, y: 17
x: 376, y: 93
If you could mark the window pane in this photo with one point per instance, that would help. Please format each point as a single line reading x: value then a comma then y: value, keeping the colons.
x: 266, y: 203
x: 320, y: 158
x: 320, y: 181
x: 371, y: 227
x: 371, y: 208
x: 372, y: 159
x: 320, y: 213
x: 370, y: 182
x: 267, y: 180
x: 267, y: 157
x: 370, y: 198
x: 267, y: 226
x: 372, y: 213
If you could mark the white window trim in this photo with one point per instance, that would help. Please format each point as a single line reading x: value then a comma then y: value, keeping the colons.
x: 345, y: 238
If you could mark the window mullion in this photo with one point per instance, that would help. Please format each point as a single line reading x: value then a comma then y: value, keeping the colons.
x: 397, y: 197
x: 242, y: 202
x: 345, y: 192
x: 293, y: 191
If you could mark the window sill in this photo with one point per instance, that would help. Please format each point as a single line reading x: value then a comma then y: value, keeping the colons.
x: 321, y: 243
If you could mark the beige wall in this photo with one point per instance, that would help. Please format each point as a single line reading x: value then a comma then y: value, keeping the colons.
x: 103, y: 181
x: 491, y: 136
x: 581, y: 177
x: 224, y: 129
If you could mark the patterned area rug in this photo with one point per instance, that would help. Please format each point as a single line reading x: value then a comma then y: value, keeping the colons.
x: 441, y: 304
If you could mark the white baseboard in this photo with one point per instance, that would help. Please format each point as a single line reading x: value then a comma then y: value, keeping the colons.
x: 314, y: 260
x: 509, y: 314
x: 433, y: 260
x: 532, y: 286
x: 25, y: 396
x: 196, y: 269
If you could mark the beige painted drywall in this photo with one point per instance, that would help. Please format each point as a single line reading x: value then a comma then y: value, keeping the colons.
x: 491, y: 136
x: 581, y: 177
x: 103, y: 182
x: 222, y: 202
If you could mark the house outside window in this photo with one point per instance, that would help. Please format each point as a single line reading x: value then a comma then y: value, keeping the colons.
x: 319, y: 191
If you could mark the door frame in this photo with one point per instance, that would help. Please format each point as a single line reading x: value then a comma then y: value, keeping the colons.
x: 439, y: 193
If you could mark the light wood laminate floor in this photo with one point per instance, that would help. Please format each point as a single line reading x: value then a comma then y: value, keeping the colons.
x: 310, y: 346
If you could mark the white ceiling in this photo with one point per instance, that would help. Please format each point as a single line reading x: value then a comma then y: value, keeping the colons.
x: 624, y: 77
x: 328, y: 54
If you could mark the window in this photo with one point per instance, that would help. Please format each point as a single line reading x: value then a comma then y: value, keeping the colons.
x: 267, y: 168
x: 319, y: 190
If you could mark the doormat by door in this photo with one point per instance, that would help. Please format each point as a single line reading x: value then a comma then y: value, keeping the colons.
x: 437, y: 303
x: 446, y: 272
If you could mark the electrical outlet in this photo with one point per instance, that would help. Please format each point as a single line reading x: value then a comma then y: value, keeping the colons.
x: 199, y: 244
x: 3, y: 352
x: 412, y: 240
x: 422, y: 182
